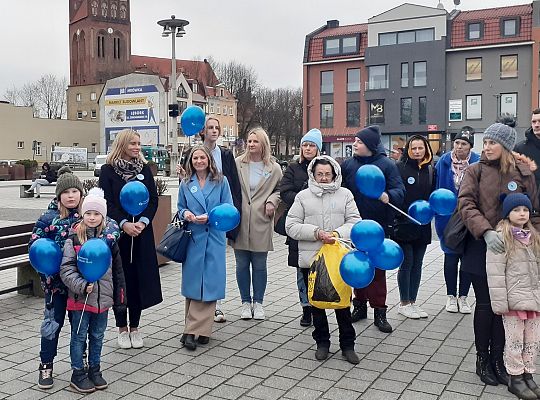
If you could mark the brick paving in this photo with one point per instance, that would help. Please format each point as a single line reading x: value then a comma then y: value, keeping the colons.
x: 271, y: 359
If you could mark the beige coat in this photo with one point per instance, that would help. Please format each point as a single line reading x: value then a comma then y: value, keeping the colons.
x: 513, y: 282
x: 256, y: 229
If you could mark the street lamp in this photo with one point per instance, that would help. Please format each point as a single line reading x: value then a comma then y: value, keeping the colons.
x: 175, y: 28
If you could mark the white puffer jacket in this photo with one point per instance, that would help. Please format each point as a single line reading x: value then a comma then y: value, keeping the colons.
x: 321, y: 206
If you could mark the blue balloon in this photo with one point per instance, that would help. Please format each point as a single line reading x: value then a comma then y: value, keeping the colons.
x: 443, y: 201
x: 356, y: 270
x: 224, y: 217
x: 421, y: 211
x: 367, y: 235
x: 370, y: 181
x: 94, y: 259
x: 388, y: 256
x: 192, y: 120
x: 45, y: 256
x: 134, y: 197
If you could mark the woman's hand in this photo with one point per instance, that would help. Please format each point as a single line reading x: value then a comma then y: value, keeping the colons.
x: 326, y: 237
x: 269, y: 210
x: 132, y: 229
x: 201, y: 219
x: 140, y: 226
x: 189, y: 216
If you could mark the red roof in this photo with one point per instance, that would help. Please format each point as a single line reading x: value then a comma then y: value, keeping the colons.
x: 491, y: 18
x: 316, y: 44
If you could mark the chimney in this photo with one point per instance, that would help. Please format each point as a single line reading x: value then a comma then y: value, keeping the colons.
x: 333, y: 23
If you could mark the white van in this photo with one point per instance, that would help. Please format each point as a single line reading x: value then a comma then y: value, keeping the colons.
x: 98, y: 162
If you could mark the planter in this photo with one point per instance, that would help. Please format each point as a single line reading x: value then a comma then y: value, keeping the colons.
x: 4, y: 173
x: 153, y: 169
x: 29, y: 173
x: 17, y: 172
x: 161, y: 220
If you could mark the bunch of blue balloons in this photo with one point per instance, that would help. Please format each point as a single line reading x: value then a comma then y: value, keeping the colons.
x: 192, y: 120
x: 441, y: 202
x: 357, y: 268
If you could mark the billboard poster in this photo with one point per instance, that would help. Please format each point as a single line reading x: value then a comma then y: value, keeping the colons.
x: 70, y: 155
x: 135, y: 107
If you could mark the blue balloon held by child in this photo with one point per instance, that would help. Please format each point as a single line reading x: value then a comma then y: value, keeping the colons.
x: 388, y: 256
x: 94, y: 259
x: 370, y: 181
x: 367, y: 235
x: 134, y: 197
x: 45, y: 256
x: 192, y: 120
x: 421, y: 211
x: 356, y: 269
x: 443, y: 201
x: 224, y: 217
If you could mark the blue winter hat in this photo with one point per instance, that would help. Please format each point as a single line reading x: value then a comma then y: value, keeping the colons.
x: 514, y: 200
x: 314, y: 136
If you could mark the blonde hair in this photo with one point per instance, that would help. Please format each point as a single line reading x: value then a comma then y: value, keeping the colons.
x: 82, y: 227
x: 212, y: 169
x: 263, y: 139
x: 505, y: 227
x: 120, y: 145
x: 507, y: 161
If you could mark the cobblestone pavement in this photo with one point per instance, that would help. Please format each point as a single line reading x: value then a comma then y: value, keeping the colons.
x: 271, y: 359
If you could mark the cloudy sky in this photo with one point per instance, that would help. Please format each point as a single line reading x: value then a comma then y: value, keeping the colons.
x: 268, y: 35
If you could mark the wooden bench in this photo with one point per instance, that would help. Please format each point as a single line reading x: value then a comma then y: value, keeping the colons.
x: 49, y: 189
x: 14, y: 254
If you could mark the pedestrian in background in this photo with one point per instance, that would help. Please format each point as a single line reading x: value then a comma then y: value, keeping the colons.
x: 46, y: 177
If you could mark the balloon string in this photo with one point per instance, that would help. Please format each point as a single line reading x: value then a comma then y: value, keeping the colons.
x: 346, y: 243
x: 84, y: 306
x: 404, y: 213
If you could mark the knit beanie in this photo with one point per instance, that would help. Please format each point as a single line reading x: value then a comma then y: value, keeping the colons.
x: 514, y: 200
x: 467, y: 134
x: 66, y: 180
x: 502, y: 134
x: 95, y: 201
x: 314, y: 136
x: 371, y: 137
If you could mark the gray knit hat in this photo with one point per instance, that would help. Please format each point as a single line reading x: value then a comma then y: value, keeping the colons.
x: 502, y: 134
x: 66, y: 180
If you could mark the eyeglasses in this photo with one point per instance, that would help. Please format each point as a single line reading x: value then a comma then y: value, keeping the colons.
x: 325, y: 175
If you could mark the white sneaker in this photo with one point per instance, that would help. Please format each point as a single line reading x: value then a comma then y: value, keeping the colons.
x: 247, y: 313
x: 124, y: 342
x: 452, y: 305
x: 258, y: 311
x: 408, y: 311
x: 419, y: 311
x: 219, y: 316
x: 136, y: 340
x: 463, y: 305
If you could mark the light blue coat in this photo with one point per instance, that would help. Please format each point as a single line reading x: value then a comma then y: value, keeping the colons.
x: 204, y: 272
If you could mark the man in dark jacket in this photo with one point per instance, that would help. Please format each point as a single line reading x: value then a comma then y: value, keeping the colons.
x: 368, y: 149
x: 530, y: 147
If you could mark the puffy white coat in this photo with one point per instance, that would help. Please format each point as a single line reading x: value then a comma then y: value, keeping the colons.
x: 321, y: 206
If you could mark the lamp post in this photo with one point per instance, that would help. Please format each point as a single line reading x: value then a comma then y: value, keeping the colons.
x: 175, y: 28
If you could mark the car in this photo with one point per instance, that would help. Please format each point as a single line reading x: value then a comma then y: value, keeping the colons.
x: 98, y: 162
x: 8, y: 163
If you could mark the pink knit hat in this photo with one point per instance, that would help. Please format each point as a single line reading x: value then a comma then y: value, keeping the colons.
x: 95, y: 201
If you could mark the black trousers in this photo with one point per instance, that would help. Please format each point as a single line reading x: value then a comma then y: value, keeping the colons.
x: 321, y: 333
x: 488, y: 327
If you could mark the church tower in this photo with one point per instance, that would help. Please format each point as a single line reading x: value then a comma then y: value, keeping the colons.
x: 99, y: 40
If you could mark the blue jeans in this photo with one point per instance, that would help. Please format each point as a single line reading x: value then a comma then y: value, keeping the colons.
x: 49, y: 347
x: 302, y: 289
x: 257, y: 259
x: 93, y: 326
x: 410, y: 272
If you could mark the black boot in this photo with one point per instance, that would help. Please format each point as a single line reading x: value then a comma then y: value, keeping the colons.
x: 531, y: 384
x: 80, y: 382
x: 45, y: 380
x: 306, y: 316
x: 359, y: 311
x: 380, y: 320
x: 484, y: 370
x: 500, y: 371
x: 94, y: 374
x: 190, y: 342
x: 518, y: 387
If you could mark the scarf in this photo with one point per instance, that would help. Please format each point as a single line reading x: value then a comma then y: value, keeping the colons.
x: 521, y: 235
x: 128, y: 169
x: 458, y: 168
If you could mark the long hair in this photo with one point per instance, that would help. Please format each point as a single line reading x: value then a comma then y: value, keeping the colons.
x: 262, y: 137
x: 505, y: 227
x: 64, y: 211
x: 215, y: 175
x: 206, y: 123
x: 82, y: 227
x: 120, y: 145
x: 507, y: 161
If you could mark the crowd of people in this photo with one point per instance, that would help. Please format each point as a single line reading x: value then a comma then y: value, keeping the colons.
x: 320, y: 202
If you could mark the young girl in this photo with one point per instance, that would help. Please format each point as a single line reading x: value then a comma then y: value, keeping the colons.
x: 106, y: 292
x: 515, y: 293
x: 54, y: 224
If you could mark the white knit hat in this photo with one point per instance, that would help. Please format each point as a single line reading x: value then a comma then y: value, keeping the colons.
x: 95, y: 201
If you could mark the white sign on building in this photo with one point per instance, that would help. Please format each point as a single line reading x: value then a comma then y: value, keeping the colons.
x: 455, y: 110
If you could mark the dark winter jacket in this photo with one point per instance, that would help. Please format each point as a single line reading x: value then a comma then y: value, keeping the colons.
x: 49, y: 175
x: 530, y: 147
x: 142, y: 275
x: 372, y: 208
x: 295, y: 179
x: 110, y: 290
x: 49, y: 225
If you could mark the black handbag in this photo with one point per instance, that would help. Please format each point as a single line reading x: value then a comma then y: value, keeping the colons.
x: 175, y: 240
x: 406, y: 231
x: 454, y: 233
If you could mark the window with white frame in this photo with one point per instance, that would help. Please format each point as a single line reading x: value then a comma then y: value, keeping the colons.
x: 79, y: 115
x: 78, y: 97
x: 225, y: 130
x: 93, y: 114
x: 94, y: 147
x: 93, y: 96
x: 38, y: 149
x: 508, y: 104
x: 20, y: 145
x: 474, y: 106
x: 231, y: 130
x: 211, y: 108
x: 230, y: 110
x: 218, y: 109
